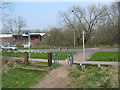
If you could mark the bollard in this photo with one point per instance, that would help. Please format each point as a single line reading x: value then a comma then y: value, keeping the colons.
x: 72, y: 58
x: 50, y: 59
x: 55, y: 58
x: 26, y: 58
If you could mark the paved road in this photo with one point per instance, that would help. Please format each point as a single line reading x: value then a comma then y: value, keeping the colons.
x: 77, y: 50
x: 97, y: 63
x: 78, y: 57
x: 76, y: 61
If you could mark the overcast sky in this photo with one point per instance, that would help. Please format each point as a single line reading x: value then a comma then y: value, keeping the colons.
x: 42, y: 15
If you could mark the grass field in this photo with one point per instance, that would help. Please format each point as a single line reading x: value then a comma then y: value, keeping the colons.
x: 19, y: 78
x: 93, y: 77
x: 105, y: 56
x: 39, y: 55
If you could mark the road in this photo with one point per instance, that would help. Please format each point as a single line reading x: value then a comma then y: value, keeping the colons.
x: 77, y: 50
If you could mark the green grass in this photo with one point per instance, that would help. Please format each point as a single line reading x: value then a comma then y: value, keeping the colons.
x: 39, y: 55
x: 105, y: 56
x: 55, y: 47
x: 91, y: 77
x: 38, y: 63
x: 35, y: 64
x: 20, y: 78
x: 64, y: 47
x: 108, y: 46
x: 38, y: 47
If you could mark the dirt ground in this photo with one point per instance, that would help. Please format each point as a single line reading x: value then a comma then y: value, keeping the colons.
x: 57, y: 78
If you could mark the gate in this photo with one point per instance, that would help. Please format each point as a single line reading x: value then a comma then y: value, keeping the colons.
x: 69, y: 57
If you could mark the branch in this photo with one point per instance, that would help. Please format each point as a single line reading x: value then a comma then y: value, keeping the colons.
x: 80, y: 21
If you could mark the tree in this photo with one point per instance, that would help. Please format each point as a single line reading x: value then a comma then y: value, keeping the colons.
x: 107, y: 29
x: 4, y: 8
x: 20, y: 24
x: 9, y: 26
x: 55, y: 37
x: 5, y: 16
x: 67, y: 37
x: 87, y: 18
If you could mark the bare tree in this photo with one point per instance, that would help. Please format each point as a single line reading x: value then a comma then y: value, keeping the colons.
x: 107, y: 30
x: 9, y: 25
x: 87, y: 18
x: 4, y: 6
x: 5, y: 14
x: 20, y: 24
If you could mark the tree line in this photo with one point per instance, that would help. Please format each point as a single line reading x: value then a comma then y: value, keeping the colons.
x: 98, y: 21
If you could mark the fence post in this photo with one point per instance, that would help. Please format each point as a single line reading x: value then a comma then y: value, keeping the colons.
x: 26, y: 57
x: 50, y: 59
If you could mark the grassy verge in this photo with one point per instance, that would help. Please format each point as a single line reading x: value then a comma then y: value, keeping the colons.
x: 39, y: 55
x: 20, y: 78
x: 38, y: 47
x: 93, y: 77
x: 105, y: 56
x: 34, y: 64
x: 64, y: 47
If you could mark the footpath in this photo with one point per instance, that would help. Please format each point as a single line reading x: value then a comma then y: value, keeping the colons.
x: 58, y: 78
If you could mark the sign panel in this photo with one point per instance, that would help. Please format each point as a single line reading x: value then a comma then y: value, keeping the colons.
x: 26, y: 33
x: 92, y: 36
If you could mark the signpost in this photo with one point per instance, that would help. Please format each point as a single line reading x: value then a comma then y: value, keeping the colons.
x: 83, y: 33
x: 27, y: 33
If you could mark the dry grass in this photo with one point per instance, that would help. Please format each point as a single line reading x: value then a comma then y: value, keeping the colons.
x: 94, y: 77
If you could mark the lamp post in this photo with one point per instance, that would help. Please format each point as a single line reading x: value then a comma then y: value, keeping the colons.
x: 83, y: 34
x: 29, y: 44
x: 92, y: 37
x: 74, y: 27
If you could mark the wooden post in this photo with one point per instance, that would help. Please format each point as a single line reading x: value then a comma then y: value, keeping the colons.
x: 26, y: 58
x: 50, y: 59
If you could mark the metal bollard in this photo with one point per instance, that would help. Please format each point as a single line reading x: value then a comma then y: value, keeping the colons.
x: 70, y: 59
x: 56, y: 59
